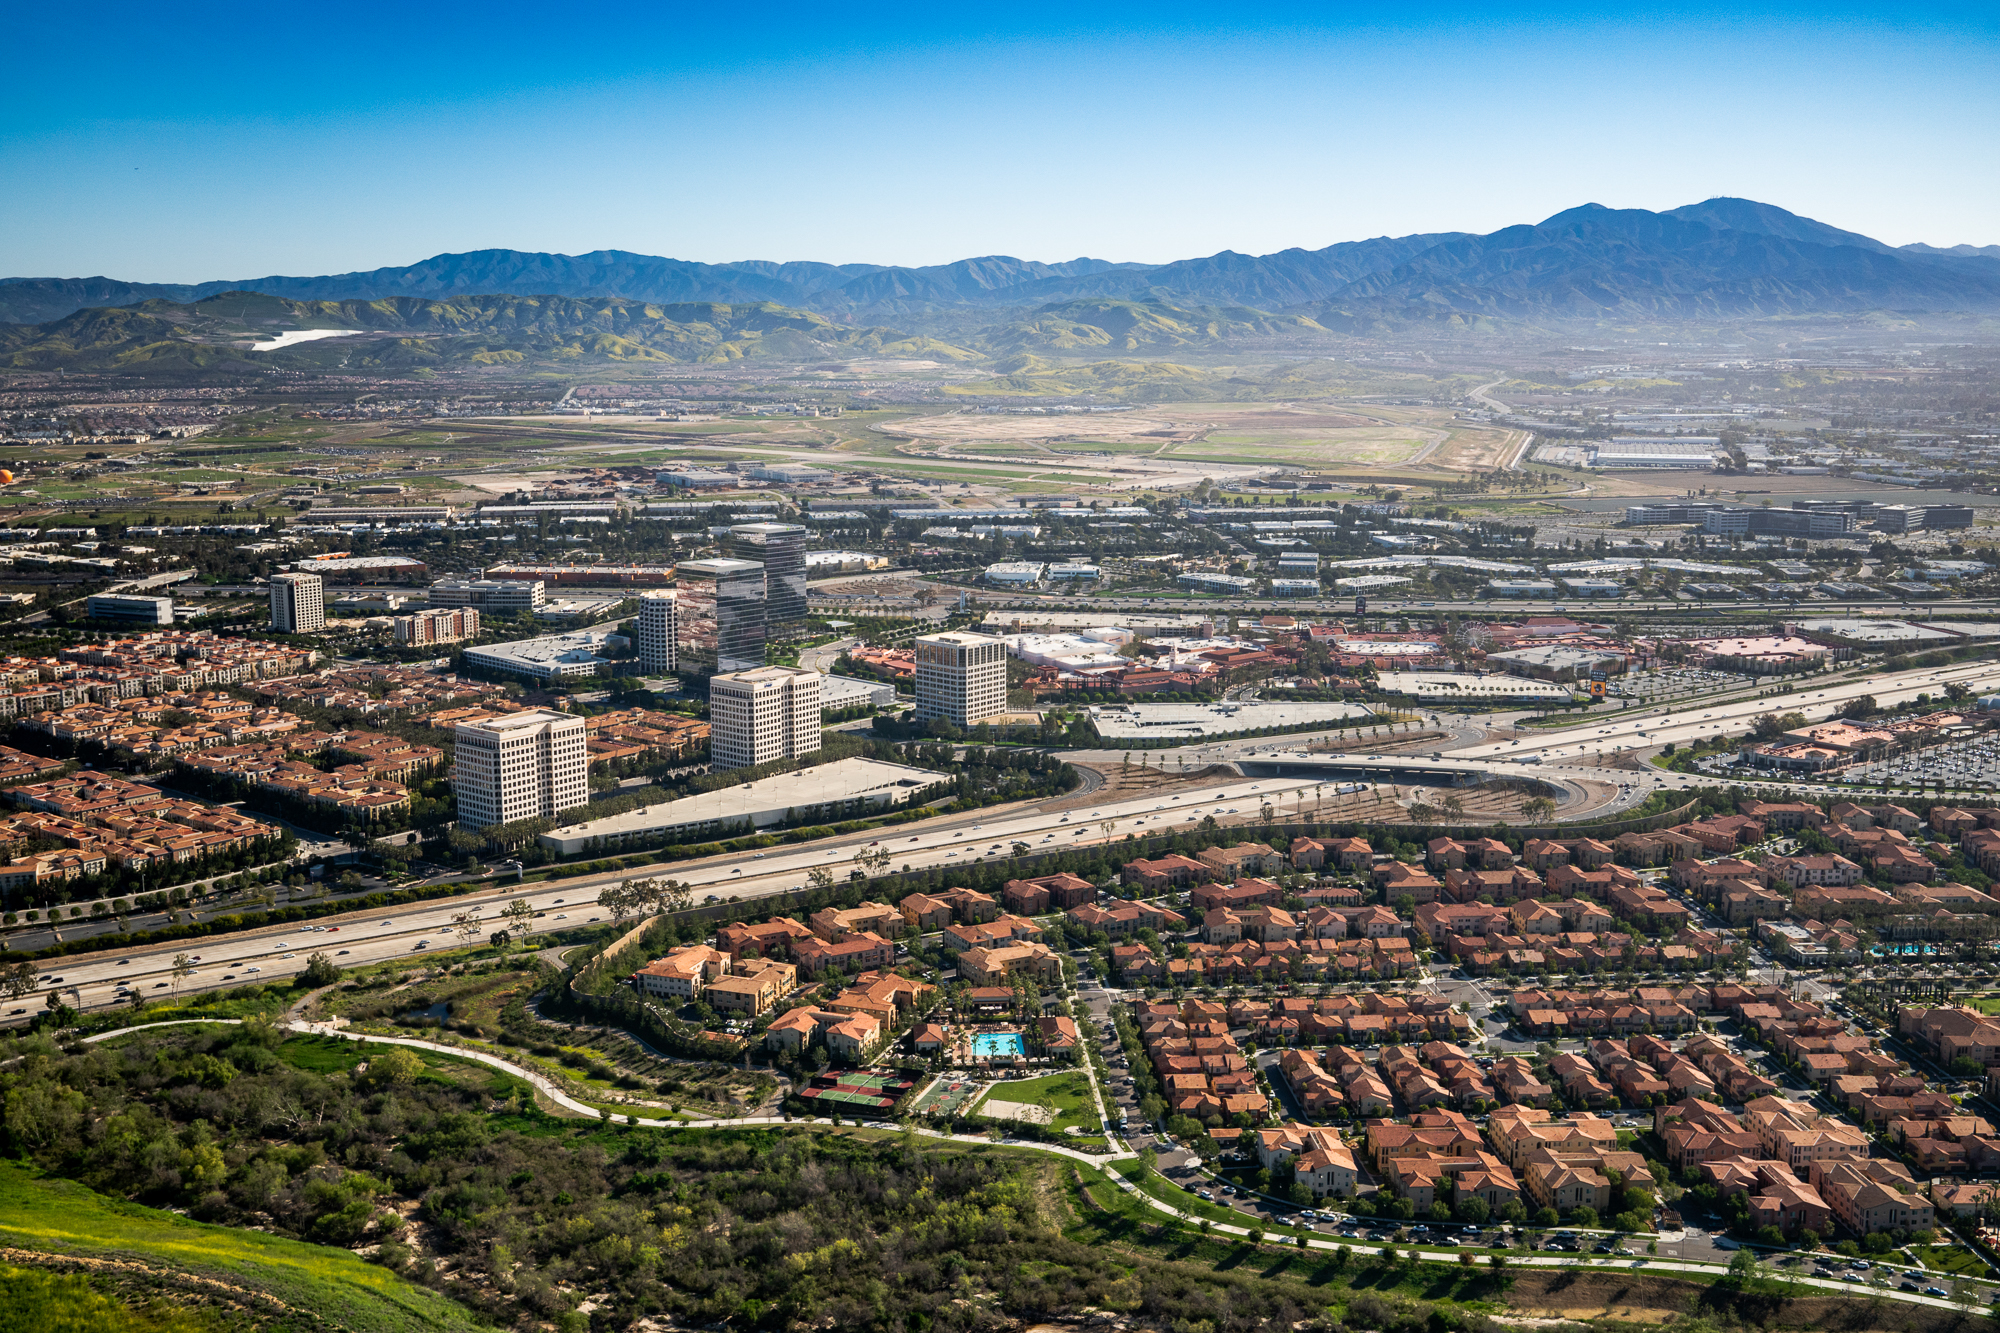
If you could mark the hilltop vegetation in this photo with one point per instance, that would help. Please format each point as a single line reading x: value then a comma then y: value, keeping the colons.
x: 463, y: 330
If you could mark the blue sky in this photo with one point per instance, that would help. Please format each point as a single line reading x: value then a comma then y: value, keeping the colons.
x: 238, y: 140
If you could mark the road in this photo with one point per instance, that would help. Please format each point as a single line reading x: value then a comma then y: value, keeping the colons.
x: 93, y: 980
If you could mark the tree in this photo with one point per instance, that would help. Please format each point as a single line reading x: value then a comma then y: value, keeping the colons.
x: 520, y: 917
x: 1742, y: 1267
x: 500, y: 939
x: 820, y: 878
x: 466, y: 923
x: 183, y: 969
x: 20, y: 980
x: 321, y: 970
x: 391, y: 1068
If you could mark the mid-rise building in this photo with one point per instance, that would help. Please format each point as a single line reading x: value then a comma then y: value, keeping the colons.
x: 781, y: 549
x: 762, y: 714
x: 444, y: 624
x: 298, y: 603
x: 721, y: 613
x: 961, y: 677
x: 144, y: 610
x: 659, y: 627
x: 520, y: 766
x: 490, y: 595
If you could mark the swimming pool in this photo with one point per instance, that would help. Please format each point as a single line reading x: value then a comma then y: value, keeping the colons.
x: 987, y: 1044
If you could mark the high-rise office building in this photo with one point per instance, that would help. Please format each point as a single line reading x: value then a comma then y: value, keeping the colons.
x: 762, y: 714
x: 298, y: 603
x: 961, y: 677
x: 659, y: 625
x: 520, y: 766
x: 721, y: 613
x: 781, y: 549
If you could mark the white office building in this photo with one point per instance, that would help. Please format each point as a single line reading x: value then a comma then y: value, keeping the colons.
x: 961, y: 677
x: 144, y: 610
x: 490, y: 594
x: 659, y: 627
x: 298, y: 603
x: 521, y: 766
x: 765, y: 713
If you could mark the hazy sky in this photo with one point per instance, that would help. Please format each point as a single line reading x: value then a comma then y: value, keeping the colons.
x: 233, y: 140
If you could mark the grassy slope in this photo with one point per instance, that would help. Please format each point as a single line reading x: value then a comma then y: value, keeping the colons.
x: 59, y: 1217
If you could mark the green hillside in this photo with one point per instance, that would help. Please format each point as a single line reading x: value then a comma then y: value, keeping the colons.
x: 1129, y: 326
x: 63, y: 1218
x: 407, y: 332
x: 1139, y: 381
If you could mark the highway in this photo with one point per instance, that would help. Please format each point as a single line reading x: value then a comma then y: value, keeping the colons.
x: 275, y: 953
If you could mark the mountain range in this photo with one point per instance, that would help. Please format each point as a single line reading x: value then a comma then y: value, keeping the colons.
x: 1722, y: 259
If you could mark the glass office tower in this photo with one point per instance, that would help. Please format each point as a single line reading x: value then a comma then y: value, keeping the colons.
x: 781, y: 549
x: 721, y: 606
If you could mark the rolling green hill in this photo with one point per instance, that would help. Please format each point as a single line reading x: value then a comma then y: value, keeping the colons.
x: 1108, y: 324
x: 1136, y: 381
x: 407, y: 332
x: 63, y: 1218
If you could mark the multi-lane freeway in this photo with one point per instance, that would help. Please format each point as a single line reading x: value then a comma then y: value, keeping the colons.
x: 1574, y: 761
x: 96, y: 980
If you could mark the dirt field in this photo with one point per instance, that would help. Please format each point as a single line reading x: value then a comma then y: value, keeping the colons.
x: 970, y: 427
x: 1600, y: 1298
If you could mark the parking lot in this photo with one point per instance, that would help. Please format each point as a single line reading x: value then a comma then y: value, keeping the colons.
x: 1968, y: 765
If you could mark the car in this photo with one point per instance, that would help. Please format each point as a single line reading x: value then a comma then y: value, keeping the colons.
x: 253, y: 969
x: 1936, y: 1291
x: 418, y: 945
x: 920, y: 839
x: 737, y: 871
x: 343, y: 953
x: 391, y: 923
x: 1861, y: 1264
x: 758, y: 857
x: 124, y: 962
x: 1908, y: 1286
x: 159, y: 985
x: 229, y: 976
x: 291, y: 955
x: 333, y: 928
x: 562, y: 916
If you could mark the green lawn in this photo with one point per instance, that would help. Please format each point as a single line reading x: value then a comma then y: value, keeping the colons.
x: 59, y: 1217
x: 1068, y: 1095
x: 1950, y: 1259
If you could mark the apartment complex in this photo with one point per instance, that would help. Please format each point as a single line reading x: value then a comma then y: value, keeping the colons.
x: 438, y: 625
x: 520, y: 766
x: 961, y: 677
x: 298, y: 603
x: 781, y: 549
x: 763, y: 714
x: 721, y: 613
x: 659, y: 627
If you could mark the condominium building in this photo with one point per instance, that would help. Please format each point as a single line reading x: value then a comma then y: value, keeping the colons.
x: 961, y: 677
x: 490, y: 594
x: 659, y: 628
x: 444, y: 624
x: 721, y: 613
x: 781, y: 549
x: 520, y: 766
x: 762, y: 714
x: 298, y: 603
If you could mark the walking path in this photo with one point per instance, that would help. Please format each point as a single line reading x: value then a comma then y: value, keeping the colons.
x: 556, y: 1095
